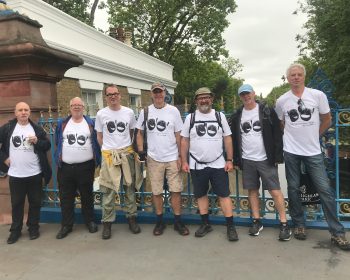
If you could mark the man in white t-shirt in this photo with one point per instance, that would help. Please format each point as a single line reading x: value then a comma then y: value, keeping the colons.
x: 114, y: 125
x: 23, y: 156
x: 258, y: 148
x: 77, y: 154
x: 305, y: 115
x: 163, y: 127
x: 204, y: 134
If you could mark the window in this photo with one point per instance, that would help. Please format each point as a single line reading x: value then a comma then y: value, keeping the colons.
x: 135, y: 103
x: 93, y: 101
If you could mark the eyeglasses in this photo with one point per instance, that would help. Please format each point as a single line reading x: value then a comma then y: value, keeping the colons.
x: 76, y: 105
x: 113, y: 94
x: 203, y: 98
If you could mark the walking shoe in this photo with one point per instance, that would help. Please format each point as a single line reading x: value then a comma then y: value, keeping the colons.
x: 341, y: 242
x: 133, y: 226
x: 232, y: 233
x: 256, y: 227
x: 203, y: 230
x: 181, y: 228
x: 92, y: 227
x: 14, y: 235
x: 300, y: 233
x: 159, y: 228
x: 107, y: 232
x: 285, y: 232
x: 34, y: 234
x: 63, y: 232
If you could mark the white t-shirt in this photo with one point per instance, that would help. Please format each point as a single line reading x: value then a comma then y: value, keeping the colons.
x: 206, y: 139
x: 161, y: 127
x: 23, y: 161
x: 302, y: 120
x: 115, y: 126
x: 251, y: 130
x: 77, y: 145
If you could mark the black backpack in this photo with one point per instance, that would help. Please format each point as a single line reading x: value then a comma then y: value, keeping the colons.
x: 134, y: 142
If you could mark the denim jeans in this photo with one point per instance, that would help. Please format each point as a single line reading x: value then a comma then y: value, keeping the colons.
x: 315, y: 167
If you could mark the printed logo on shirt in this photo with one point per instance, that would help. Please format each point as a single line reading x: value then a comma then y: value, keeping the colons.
x: 205, y: 129
x: 79, y: 139
x: 112, y: 126
x: 154, y: 123
x: 21, y: 142
x: 302, y: 111
x: 249, y: 125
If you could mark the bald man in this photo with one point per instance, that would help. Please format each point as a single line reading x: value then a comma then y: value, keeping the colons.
x: 23, y: 157
x: 77, y: 154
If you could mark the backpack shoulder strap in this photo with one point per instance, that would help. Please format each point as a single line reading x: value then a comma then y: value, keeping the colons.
x: 192, y: 120
x: 218, y: 119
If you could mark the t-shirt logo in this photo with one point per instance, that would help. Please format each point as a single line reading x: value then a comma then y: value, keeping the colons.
x: 249, y: 125
x: 115, y: 125
x: 302, y: 112
x: 81, y: 139
x: 202, y: 129
x: 154, y: 123
x: 17, y: 141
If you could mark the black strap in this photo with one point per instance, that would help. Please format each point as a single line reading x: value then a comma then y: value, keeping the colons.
x: 203, y: 162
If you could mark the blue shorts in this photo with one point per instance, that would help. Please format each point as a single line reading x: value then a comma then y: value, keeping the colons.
x: 217, y: 177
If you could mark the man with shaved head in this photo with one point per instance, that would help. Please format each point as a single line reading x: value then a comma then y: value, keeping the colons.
x: 77, y: 154
x: 23, y: 156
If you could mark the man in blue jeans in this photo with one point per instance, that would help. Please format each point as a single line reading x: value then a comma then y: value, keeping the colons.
x: 305, y: 115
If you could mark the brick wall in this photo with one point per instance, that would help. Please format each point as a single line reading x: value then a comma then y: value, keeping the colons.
x: 66, y: 90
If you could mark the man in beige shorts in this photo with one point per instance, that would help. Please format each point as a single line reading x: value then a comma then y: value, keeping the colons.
x: 163, y: 126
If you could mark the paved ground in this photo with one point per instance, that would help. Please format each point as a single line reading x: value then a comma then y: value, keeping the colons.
x: 86, y: 256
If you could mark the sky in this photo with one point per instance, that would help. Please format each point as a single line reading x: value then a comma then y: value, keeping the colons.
x: 261, y: 35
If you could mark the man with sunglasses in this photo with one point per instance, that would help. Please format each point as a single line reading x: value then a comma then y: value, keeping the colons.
x: 203, y: 135
x: 164, y: 124
x: 305, y: 116
x: 258, y: 148
x: 77, y: 154
x: 115, y: 125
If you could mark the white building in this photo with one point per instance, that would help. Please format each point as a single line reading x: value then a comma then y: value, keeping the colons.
x: 106, y: 60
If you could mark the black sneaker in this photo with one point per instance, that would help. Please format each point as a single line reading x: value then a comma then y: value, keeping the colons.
x: 34, y: 234
x: 203, y: 230
x: 300, y: 233
x: 255, y: 228
x: 232, y: 233
x: 159, y: 228
x: 341, y: 242
x: 181, y: 228
x: 285, y: 232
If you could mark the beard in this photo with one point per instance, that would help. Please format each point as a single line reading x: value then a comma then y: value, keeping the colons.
x: 204, y: 108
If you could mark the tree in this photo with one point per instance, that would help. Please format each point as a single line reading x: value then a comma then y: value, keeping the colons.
x: 77, y: 9
x: 165, y: 28
x: 327, y: 41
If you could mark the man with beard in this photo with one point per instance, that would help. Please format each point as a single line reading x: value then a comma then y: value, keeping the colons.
x: 23, y: 157
x: 305, y: 115
x: 204, y: 142
x: 258, y: 148
x: 114, y: 126
x: 77, y: 154
x: 164, y: 124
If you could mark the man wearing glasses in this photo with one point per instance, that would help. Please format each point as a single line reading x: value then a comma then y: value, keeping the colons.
x: 204, y: 133
x: 305, y: 115
x: 77, y: 154
x: 164, y: 124
x: 114, y: 125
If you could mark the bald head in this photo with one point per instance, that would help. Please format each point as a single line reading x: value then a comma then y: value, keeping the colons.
x: 76, y: 100
x: 22, y: 113
x: 77, y: 109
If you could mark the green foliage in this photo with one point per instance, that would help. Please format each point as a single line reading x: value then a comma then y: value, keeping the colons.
x: 165, y: 28
x: 77, y: 9
x: 328, y: 41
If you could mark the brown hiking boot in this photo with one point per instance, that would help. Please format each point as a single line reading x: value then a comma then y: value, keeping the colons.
x: 341, y: 242
x: 133, y: 226
x: 106, y: 232
x: 300, y: 233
